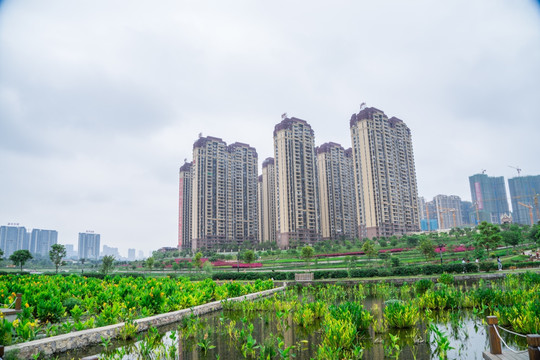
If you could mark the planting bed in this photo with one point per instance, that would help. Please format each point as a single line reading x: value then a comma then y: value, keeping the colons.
x: 420, y: 320
x: 54, y: 305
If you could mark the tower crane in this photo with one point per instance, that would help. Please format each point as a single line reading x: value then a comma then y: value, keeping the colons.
x: 536, y: 205
x: 530, y: 211
x: 517, y: 169
x: 445, y: 210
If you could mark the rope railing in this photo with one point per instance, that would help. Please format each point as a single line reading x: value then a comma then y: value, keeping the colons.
x: 505, y: 344
x: 495, y: 340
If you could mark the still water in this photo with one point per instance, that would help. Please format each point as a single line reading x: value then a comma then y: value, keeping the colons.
x: 218, y: 336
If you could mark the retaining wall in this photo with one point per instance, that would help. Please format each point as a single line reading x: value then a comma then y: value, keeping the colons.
x: 74, y: 340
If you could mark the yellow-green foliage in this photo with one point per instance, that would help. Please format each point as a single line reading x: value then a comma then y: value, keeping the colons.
x: 338, y: 333
x: 50, y: 299
x: 399, y: 314
x: 307, y: 313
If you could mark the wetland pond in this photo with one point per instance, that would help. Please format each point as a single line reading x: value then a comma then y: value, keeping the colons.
x: 377, y: 321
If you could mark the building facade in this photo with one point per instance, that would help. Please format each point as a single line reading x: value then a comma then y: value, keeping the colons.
x: 89, y: 245
x: 42, y: 240
x: 268, y: 201
x: 209, y: 186
x: 296, y: 183
x: 385, y: 175
x: 13, y: 238
x: 489, y: 197
x: 448, y: 211
x: 242, y: 200
x: 336, y: 192
x: 524, y: 194
x: 184, y: 207
x: 428, y: 215
x: 224, y: 199
x: 468, y: 215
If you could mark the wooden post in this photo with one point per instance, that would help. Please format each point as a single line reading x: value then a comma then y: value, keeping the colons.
x: 2, y: 351
x: 494, y: 340
x: 18, y: 302
x: 533, y: 340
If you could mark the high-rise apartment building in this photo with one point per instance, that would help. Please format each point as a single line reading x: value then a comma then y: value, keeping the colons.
x: 209, y: 187
x: 70, y: 251
x: 428, y: 215
x: 385, y: 176
x: 184, y: 207
x: 336, y: 192
x: 448, y: 211
x: 131, y: 254
x: 110, y: 251
x: 296, y: 183
x: 242, y: 179
x: 224, y: 193
x: 489, y: 197
x: 468, y: 216
x: 13, y: 238
x: 524, y: 195
x: 268, y: 201
x: 42, y: 240
x: 89, y: 245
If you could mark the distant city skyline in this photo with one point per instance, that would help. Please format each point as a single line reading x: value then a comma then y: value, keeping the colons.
x: 96, y: 120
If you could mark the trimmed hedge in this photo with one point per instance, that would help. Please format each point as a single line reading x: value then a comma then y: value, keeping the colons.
x: 355, y: 273
x: 253, y: 275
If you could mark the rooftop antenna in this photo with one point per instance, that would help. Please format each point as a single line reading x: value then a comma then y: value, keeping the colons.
x: 362, y: 106
x: 283, y: 116
x: 517, y: 169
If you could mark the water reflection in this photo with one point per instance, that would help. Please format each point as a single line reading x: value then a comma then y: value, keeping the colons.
x: 231, y: 335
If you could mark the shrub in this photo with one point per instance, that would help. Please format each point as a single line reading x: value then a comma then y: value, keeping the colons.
x: 445, y: 278
x: 487, y: 266
x: 423, y: 285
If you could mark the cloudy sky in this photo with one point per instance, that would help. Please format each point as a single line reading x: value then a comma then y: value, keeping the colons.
x: 101, y: 101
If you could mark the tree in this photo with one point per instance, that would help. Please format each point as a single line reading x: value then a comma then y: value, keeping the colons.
x: 20, y: 257
x: 149, y: 263
x: 1, y: 255
x: 512, y: 236
x: 83, y: 260
x: 249, y: 256
x: 412, y: 240
x: 307, y: 253
x: 57, y: 255
x: 426, y: 248
x: 369, y: 249
x: 488, y: 236
x: 197, y: 260
x: 107, y: 264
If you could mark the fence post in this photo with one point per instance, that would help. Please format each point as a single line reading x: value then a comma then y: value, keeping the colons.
x: 533, y: 340
x: 2, y: 351
x: 18, y: 301
x: 494, y: 340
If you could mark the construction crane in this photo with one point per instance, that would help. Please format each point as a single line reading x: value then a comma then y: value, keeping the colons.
x: 517, y: 169
x: 536, y: 205
x: 444, y: 211
x: 530, y: 211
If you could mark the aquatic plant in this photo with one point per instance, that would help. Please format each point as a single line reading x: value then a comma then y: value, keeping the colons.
x: 400, y: 314
x: 353, y: 312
